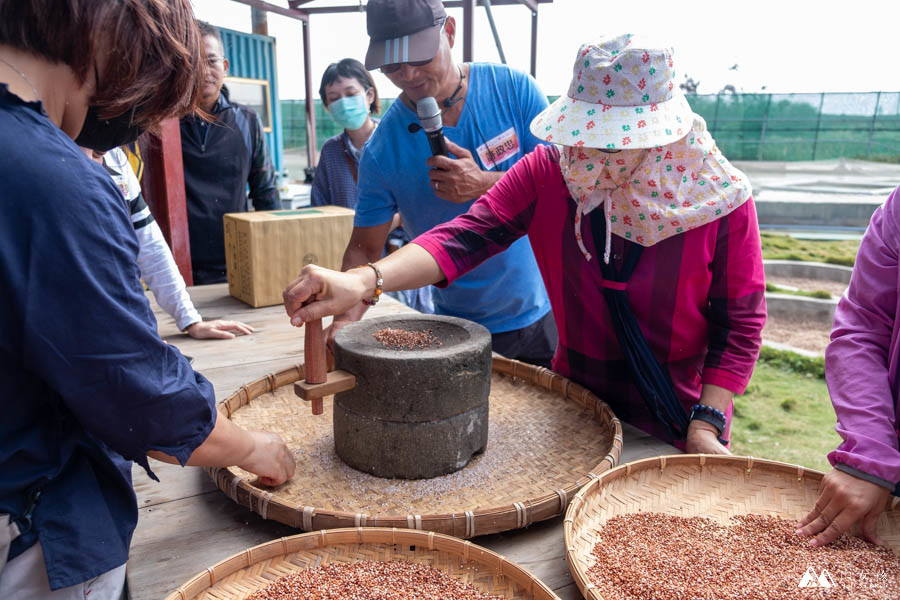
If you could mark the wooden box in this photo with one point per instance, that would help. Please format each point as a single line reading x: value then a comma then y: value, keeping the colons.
x: 264, y: 251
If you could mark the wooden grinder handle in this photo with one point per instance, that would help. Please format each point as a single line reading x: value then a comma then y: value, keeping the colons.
x: 316, y: 368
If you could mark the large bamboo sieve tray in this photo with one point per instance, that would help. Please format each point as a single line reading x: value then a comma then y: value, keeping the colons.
x: 242, y: 574
x: 691, y: 485
x: 548, y: 437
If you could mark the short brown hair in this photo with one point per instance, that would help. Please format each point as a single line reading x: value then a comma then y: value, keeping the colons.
x: 158, y: 63
x: 350, y: 68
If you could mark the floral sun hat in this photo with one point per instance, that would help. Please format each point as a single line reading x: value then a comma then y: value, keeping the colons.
x: 622, y: 95
x: 649, y: 195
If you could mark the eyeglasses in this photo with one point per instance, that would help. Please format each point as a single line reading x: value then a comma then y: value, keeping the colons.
x: 394, y: 67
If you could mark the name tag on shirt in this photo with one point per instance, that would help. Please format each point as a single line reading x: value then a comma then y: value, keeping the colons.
x: 122, y: 183
x: 498, y: 149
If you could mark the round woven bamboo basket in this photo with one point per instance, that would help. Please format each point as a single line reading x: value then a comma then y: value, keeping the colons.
x: 548, y: 437
x: 691, y: 485
x: 253, y: 569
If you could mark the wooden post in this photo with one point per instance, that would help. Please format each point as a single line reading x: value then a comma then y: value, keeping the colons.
x: 468, y: 29
x: 310, y: 100
x: 163, y: 187
x: 534, y: 41
x: 259, y: 21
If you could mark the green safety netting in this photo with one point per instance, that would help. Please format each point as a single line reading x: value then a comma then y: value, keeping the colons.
x: 781, y: 127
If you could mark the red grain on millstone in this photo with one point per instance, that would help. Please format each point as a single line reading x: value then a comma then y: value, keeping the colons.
x: 370, y: 580
x: 401, y: 339
x: 651, y: 555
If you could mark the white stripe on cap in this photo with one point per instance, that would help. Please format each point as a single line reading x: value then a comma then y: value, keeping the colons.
x: 396, y: 50
x: 405, y: 49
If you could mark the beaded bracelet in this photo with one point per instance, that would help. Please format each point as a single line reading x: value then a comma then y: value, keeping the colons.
x: 379, y: 281
x: 713, y: 416
x: 709, y: 409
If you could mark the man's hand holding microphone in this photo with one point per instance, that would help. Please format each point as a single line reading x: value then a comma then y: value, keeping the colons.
x: 455, y: 180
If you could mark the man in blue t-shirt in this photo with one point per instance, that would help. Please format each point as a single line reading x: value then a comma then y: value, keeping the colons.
x: 486, y: 111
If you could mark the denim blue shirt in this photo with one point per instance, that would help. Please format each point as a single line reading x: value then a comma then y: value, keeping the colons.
x: 335, y: 182
x: 87, y: 383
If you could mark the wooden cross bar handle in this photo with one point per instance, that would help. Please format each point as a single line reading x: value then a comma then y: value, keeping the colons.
x: 316, y: 369
x: 319, y: 382
x: 314, y: 353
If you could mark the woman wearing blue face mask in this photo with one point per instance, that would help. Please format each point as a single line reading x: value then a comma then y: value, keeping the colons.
x: 349, y: 95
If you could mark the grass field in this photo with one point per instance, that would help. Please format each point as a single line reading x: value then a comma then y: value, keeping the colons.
x: 786, y: 416
x: 783, y: 247
x: 786, y: 413
x: 821, y: 294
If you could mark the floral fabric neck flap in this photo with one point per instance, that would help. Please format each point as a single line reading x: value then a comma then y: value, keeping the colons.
x: 653, y: 194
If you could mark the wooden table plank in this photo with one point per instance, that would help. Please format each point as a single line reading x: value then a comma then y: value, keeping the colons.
x: 185, y: 524
x: 176, y: 540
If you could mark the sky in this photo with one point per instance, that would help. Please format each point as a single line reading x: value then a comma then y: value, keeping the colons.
x: 780, y: 46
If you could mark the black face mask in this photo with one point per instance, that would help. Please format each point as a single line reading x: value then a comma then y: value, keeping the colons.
x: 103, y: 135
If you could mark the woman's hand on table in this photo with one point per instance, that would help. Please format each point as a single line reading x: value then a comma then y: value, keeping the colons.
x: 319, y: 292
x: 843, y: 501
x: 702, y: 438
x: 218, y: 329
x: 269, y: 459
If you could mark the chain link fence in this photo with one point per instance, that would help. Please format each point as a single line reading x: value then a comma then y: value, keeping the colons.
x: 791, y: 127
x: 777, y: 127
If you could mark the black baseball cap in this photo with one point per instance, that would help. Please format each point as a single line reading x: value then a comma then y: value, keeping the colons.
x: 403, y: 31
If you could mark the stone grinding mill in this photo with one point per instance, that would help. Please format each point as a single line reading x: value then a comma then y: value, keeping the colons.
x: 399, y: 412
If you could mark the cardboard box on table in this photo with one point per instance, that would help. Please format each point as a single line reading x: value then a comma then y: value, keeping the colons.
x: 264, y: 251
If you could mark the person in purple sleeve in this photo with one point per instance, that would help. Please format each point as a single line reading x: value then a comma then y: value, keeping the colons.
x: 861, y: 368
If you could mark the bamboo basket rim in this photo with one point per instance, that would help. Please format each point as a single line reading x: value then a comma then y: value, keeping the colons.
x: 472, y: 523
x: 435, y: 542
x: 747, y: 463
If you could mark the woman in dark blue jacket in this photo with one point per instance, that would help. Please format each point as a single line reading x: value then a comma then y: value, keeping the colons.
x: 88, y: 385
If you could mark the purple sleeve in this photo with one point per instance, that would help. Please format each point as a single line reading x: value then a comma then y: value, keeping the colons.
x: 857, y: 360
x: 492, y: 223
x: 737, y: 301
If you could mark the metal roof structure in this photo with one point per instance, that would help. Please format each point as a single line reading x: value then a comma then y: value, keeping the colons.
x: 164, y: 184
x: 302, y: 10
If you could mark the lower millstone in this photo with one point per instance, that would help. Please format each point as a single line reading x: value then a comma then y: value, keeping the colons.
x: 398, y: 450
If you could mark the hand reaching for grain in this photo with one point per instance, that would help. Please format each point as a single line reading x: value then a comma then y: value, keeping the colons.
x: 269, y: 459
x: 843, y: 501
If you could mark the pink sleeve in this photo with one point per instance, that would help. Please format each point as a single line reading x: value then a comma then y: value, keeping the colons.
x: 737, y: 301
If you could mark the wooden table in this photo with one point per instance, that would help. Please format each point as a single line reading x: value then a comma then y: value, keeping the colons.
x: 186, y: 524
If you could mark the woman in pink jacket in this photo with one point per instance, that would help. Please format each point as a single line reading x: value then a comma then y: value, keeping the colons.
x: 645, y: 235
x: 861, y: 367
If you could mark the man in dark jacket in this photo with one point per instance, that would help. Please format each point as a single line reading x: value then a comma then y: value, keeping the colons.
x: 221, y: 158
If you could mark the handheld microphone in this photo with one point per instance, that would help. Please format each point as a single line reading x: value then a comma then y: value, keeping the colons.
x: 430, y: 115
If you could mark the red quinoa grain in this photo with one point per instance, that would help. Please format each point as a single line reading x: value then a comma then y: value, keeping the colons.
x: 370, y: 580
x: 401, y: 339
x: 663, y: 557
